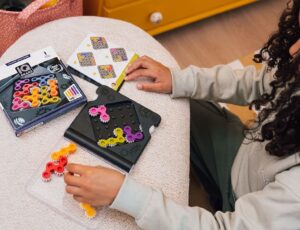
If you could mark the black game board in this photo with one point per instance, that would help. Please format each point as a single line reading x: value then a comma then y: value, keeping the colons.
x: 89, y: 127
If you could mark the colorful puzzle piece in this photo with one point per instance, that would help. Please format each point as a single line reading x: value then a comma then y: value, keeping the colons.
x: 118, y: 54
x: 35, y: 92
x: 106, y: 71
x: 58, y: 163
x: 99, y: 42
x: 64, y: 152
x: 132, y: 137
x: 113, y: 141
x: 57, y: 168
x: 101, y: 111
x: 90, y: 212
x: 86, y: 59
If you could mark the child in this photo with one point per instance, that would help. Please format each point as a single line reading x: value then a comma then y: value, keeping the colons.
x: 254, y: 181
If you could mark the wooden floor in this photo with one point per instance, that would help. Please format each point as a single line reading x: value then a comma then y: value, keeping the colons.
x: 225, y: 37
x: 221, y: 39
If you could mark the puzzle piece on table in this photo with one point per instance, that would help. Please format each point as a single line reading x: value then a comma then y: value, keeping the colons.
x: 99, y: 42
x: 106, y: 71
x: 118, y: 54
x: 64, y: 152
x: 58, y: 163
x: 57, y: 168
x: 86, y: 59
x: 90, y: 212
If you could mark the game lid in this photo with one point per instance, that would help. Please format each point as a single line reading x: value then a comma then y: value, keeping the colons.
x: 114, y: 127
x: 100, y: 61
x: 37, y: 88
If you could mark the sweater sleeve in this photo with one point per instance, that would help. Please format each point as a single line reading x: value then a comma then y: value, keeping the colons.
x: 277, y: 206
x: 221, y: 83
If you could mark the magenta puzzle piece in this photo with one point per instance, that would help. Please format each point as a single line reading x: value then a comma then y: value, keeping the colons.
x: 101, y: 111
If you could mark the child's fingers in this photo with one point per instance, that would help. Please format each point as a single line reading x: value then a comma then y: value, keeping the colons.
x: 73, y: 190
x: 150, y: 87
x: 142, y: 62
x: 76, y: 168
x: 139, y: 73
x: 80, y: 199
x: 72, y: 180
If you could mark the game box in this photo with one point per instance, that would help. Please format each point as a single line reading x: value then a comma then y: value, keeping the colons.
x: 100, y: 61
x: 114, y: 127
x: 36, y: 88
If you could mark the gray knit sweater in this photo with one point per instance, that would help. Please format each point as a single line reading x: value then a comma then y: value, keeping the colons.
x: 267, y: 188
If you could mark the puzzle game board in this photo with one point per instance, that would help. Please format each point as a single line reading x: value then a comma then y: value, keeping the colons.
x: 100, y: 61
x: 37, y: 88
x: 114, y: 127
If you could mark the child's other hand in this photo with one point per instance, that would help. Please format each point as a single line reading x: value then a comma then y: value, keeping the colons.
x: 147, y: 67
x: 97, y: 186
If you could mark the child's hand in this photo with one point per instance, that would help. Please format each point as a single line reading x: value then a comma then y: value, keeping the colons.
x: 147, y: 67
x: 97, y: 186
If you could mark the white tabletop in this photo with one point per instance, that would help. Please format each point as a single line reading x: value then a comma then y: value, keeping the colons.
x: 164, y: 163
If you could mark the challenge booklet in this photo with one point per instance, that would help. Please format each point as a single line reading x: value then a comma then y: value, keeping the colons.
x: 100, y: 61
x: 36, y: 88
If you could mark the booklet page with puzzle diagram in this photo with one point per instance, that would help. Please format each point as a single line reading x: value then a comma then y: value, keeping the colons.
x: 100, y: 61
x: 36, y: 88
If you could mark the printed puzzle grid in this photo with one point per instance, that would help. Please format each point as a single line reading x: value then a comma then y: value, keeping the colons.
x: 101, y: 60
x: 53, y: 193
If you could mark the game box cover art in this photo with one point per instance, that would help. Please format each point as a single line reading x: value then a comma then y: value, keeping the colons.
x: 37, y: 88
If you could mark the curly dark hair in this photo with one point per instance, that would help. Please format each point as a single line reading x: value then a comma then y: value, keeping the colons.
x: 279, y: 118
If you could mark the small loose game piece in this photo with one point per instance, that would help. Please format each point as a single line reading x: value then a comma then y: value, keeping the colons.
x: 90, y: 212
x: 100, y: 61
x: 57, y: 168
x: 59, y: 161
x: 34, y: 89
x: 64, y: 152
x: 123, y: 137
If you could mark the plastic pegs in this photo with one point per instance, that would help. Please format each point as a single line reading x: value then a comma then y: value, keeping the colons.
x: 90, y: 212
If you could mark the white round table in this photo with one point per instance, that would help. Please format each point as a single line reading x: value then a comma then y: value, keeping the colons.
x: 164, y: 163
